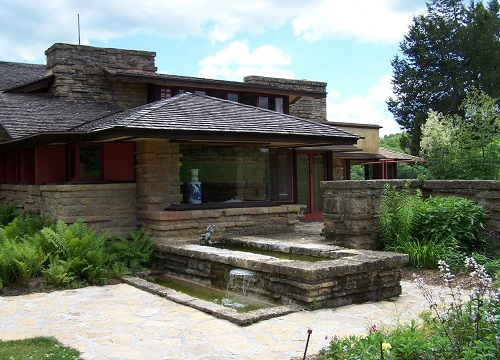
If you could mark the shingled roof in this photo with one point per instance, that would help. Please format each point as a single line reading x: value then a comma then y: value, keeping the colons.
x: 25, y: 115
x: 39, y: 119
x: 189, y: 114
x: 15, y: 74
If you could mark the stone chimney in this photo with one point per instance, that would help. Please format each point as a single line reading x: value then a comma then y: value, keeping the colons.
x: 306, y: 107
x: 79, y: 73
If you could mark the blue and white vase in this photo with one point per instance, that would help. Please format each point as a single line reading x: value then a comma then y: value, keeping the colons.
x: 194, y: 188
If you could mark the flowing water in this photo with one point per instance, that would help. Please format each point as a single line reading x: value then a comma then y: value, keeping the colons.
x: 228, y: 298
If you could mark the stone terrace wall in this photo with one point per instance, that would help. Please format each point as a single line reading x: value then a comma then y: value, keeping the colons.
x: 79, y: 73
x: 352, y: 207
x: 230, y: 222
x: 109, y: 207
x: 305, y: 107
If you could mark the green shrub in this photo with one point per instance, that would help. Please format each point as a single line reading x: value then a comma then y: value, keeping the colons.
x: 452, y: 217
x: 8, y: 212
x: 20, y: 260
x: 458, y: 326
x: 129, y: 255
x: 58, y: 273
x: 82, y: 248
x: 429, y: 229
x: 399, y: 212
x: 67, y: 255
x: 425, y: 254
x: 25, y: 225
x: 406, y: 342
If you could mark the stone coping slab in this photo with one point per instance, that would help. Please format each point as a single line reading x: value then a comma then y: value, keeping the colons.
x: 343, y: 261
x: 219, y: 311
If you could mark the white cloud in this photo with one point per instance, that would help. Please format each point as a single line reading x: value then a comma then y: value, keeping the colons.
x: 27, y: 29
x: 363, y: 20
x: 237, y: 61
x: 368, y: 109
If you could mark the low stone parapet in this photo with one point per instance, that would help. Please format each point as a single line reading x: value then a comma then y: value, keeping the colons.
x: 109, y: 207
x: 228, y: 222
x: 351, y: 208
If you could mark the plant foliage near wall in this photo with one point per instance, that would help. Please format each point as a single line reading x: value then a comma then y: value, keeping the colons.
x: 432, y: 229
x: 65, y: 255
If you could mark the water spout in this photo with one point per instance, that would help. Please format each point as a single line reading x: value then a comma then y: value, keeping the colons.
x: 240, y: 279
x: 205, y: 237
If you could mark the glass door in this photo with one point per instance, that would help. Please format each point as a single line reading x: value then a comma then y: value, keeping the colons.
x: 311, y: 170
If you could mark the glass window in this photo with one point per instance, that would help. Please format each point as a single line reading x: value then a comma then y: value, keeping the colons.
x: 281, y: 175
x: 278, y: 104
x: 263, y: 102
x: 165, y: 93
x: 233, y: 97
x: 228, y: 173
x: 90, y: 162
x: 249, y: 99
x: 200, y: 92
x: 218, y: 94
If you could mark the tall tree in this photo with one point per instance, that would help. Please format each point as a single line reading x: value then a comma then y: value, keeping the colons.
x: 446, y: 52
x: 464, y: 147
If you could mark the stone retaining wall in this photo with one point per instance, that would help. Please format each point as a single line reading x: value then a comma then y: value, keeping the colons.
x: 351, y: 208
x: 229, y: 222
x: 109, y: 207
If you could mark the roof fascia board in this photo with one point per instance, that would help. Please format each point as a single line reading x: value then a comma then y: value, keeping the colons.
x: 42, y: 83
x: 178, y: 135
x: 159, y: 79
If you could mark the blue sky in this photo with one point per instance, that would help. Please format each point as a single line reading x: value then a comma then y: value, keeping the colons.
x: 348, y: 44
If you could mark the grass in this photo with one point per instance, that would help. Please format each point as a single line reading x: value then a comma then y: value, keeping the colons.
x: 37, y: 348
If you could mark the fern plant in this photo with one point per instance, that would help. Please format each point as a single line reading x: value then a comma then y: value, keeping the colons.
x: 58, y: 273
x: 8, y: 212
x: 129, y: 255
x: 82, y: 248
x: 20, y: 261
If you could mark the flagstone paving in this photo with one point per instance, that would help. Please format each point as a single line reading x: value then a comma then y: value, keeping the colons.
x: 120, y: 322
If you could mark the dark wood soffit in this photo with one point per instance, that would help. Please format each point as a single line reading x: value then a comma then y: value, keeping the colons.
x: 287, y: 140
x: 213, y: 84
x: 43, y: 83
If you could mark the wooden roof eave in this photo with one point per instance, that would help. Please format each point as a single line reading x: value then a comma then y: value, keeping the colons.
x: 288, y: 140
x: 42, y: 83
x: 158, y: 79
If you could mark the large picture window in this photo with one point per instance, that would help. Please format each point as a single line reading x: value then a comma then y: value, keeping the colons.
x: 228, y: 173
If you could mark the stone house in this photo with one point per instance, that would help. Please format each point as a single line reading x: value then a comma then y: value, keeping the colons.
x: 98, y: 134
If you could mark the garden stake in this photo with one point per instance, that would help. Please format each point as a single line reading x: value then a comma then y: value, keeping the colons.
x: 309, y: 332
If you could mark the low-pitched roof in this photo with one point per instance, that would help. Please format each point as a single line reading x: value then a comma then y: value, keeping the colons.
x: 15, y: 74
x: 396, y: 155
x: 24, y: 115
x: 30, y: 120
x: 189, y: 114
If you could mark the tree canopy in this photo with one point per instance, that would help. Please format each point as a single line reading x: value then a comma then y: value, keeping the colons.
x: 464, y: 146
x: 446, y: 52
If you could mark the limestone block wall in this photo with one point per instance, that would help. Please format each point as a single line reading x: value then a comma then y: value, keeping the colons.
x: 351, y: 208
x: 157, y: 174
x: 189, y: 225
x: 305, y: 107
x: 79, y: 73
x: 109, y: 207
